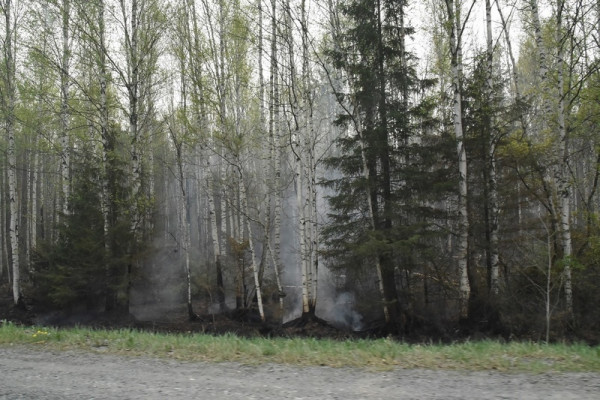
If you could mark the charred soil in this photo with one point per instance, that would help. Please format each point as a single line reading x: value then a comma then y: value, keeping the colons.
x: 174, y: 319
x: 170, y: 318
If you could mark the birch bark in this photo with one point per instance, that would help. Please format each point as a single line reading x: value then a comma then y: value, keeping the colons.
x: 183, y: 213
x: 276, y: 146
x: 184, y: 218
x: 454, y: 21
x: 560, y: 165
x: 10, y: 89
x: 492, y: 183
x: 3, y: 250
x: 309, y: 165
x: 214, y: 230
x: 107, y: 150
x: 131, y: 79
x: 564, y: 186
x: 246, y: 211
x: 65, y: 164
x: 4, y: 258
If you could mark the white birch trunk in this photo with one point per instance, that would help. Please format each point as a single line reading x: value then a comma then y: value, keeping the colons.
x: 4, y: 238
x: 223, y: 206
x: 492, y: 184
x: 32, y: 220
x: 276, y: 153
x: 548, y: 283
x: 2, y: 223
x: 132, y: 84
x: 564, y: 186
x: 214, y: 228
x: 183, y: 212
x: 277, y: 277
x: 65, y: 164
x: 106, y: 150
x: 151, y: 188
x: 560, y: 165
x: 305, y: 159
x: 463, y: 221
x: 542, y: 53
x: 184, y: 223
x: 261, y: 80
x: 11, y: 151
x: 246, y: 211
x: 314, y: 227
x: 302, y: 231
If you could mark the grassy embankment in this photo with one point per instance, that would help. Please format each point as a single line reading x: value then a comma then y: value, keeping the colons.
x: 378, y: 354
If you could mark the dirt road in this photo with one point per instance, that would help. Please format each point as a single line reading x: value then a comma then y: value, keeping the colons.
x: 33, y: 374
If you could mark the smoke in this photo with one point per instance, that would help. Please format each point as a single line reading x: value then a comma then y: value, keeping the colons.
x: 338, y: 307
x: 340, y: 312
x: 336, y: 303
x: 157, y: 291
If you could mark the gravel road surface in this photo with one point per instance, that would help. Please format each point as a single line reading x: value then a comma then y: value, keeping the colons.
x: 37, y: 374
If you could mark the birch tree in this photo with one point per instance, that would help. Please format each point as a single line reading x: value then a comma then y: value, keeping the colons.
x: 492, y: 181
x: 560, y: 165
x: 275, y: 149
x: 65, y: 164
x: 9, y: 102
x: 455, y: 26
x: 143, y: 23
x: 183, y: 212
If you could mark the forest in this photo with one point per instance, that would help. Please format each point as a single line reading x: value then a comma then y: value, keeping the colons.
x: 390, y: 166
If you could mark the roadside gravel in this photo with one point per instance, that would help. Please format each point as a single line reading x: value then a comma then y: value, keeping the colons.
x: 27, y: 373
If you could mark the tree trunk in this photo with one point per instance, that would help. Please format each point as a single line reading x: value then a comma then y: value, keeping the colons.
x: 184, y: 218
x: 561, y: 164
x: 10, y: 93
x: 5, y: 259
x: 274, y: 129
x: 564, y: 187
x: 455, y: 24
x: 183, y: 213
x: 108, y: 146
x: 65, y: 164
x: 214, y: 230
x: 246, y: 211
x: 133, y: 85
x: 492, y: 184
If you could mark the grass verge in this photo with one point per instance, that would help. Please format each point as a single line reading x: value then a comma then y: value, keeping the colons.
x: 381, y: 354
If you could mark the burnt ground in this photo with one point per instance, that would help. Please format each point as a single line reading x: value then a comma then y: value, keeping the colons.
x: 174, y: 319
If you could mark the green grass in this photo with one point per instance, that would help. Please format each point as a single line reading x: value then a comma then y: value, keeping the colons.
x: 380, y: 354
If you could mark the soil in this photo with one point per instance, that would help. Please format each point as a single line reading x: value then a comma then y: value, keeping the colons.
x: 38, y: 374
x: 174, y: 319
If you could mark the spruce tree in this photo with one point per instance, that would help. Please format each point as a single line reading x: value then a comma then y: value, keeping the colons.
x: 392, y: 169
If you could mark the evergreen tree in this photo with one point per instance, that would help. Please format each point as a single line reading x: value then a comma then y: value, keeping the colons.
x: 390, y: 164
x: 71, y: 271
x: 487, y: 118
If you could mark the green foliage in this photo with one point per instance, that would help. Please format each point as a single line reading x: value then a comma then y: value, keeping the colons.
x: 85, y: 264
x: 72, y: 271
x: 409, y: 162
